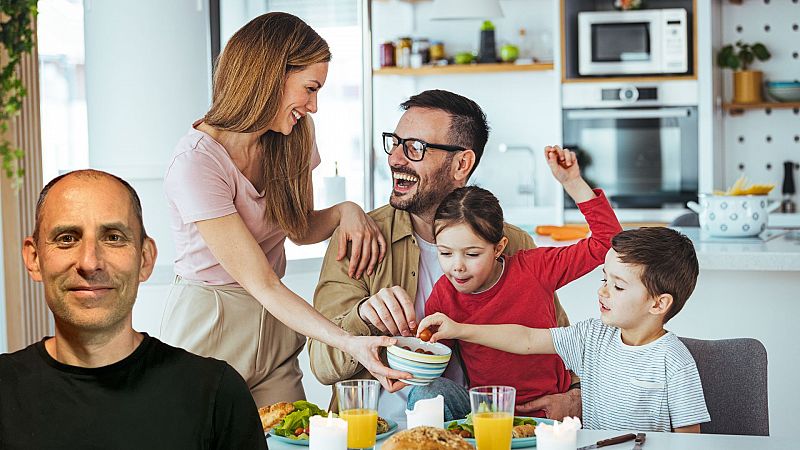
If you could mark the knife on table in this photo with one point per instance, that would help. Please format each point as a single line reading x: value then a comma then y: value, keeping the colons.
x: 610, y: 441
x: 639, y: 441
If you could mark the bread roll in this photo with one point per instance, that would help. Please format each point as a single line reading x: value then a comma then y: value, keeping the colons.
x: 273, y: 414
x: 523, y: 431
x: 426, y: 438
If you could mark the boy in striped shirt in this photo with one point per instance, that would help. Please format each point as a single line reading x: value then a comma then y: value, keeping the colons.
x: 634, y: 373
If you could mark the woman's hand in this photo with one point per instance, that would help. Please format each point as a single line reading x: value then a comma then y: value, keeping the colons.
x: 369, y: 245
x: 366, y: 350
x: 442, y: 327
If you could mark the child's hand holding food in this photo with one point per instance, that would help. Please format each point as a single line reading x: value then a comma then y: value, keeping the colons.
x: 564, y: 165
x: 438, y: 326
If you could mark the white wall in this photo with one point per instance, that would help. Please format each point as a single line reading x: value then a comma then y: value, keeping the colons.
x: 148, y: 78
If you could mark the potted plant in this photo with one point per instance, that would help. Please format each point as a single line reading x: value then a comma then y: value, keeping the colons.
x: 16, y: 39
x: 739, y: 57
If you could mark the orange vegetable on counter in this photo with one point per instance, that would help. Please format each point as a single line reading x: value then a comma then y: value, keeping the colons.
x: 568, y: 234
x: 547, y: 230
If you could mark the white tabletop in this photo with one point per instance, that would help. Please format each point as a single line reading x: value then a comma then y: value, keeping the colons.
x: 655, y: 441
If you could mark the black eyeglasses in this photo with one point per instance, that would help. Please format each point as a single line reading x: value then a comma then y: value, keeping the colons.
x: 413, y: 148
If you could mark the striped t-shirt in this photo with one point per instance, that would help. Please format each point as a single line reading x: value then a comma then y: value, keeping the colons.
x: 652, y: 387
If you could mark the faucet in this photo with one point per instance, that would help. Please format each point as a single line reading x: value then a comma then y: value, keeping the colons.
x: 523, y: 188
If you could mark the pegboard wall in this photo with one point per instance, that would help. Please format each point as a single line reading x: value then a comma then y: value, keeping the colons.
x: 757, y: 143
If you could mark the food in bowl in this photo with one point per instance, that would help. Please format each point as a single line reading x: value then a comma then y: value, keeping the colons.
x: 425, y: 335
x: 425, y: 361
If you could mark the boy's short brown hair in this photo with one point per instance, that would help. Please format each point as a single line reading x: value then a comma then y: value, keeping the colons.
x: 667, y: 259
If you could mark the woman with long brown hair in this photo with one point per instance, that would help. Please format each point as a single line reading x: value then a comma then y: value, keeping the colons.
x: 239, y: 183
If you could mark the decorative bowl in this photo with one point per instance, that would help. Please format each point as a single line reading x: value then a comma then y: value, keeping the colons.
x: 784, y: 91
x: 423, y: 367
x: 733, y: 215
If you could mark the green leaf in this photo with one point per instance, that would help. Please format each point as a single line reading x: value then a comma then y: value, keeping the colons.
x: 761, y: 51
x: 16, y: 39
x: 733, y: 62
x: 524, y: 421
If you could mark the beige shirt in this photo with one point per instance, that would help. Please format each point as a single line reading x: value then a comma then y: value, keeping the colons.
x: 338, y: 296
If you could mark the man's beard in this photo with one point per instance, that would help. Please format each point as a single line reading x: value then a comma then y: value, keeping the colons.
x: 428, y: 198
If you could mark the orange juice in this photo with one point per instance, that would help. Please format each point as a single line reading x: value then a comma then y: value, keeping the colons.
x: 361, y: 427
x: 493, y: 430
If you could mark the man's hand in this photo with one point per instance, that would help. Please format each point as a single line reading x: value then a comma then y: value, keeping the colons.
x: 556, y: 406
x: 391, y: 310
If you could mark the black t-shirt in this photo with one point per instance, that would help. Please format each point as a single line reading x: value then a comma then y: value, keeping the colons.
x: 159, y: 397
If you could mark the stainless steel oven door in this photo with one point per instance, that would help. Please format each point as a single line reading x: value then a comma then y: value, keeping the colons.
x: 641, y: 157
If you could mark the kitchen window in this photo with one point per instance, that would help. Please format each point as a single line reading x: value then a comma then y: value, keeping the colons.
x: 62, y: 85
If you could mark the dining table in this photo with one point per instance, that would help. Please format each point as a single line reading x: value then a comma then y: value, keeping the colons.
x: 654, y: 441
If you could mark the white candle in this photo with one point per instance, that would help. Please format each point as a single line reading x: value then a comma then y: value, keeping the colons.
x: 559, y: 436
x: 327, y: 433
x: 428, y: 412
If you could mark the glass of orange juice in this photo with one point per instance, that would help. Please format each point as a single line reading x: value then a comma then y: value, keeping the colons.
x: 358, y: 405
x: 492, y: 416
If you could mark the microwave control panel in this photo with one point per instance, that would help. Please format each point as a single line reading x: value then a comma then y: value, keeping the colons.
x: 675, y: 43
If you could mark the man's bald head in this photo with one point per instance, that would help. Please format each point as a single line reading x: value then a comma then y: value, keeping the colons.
x: 89, y: 174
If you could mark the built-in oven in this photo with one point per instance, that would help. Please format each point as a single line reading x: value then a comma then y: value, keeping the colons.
x: 654, y: 41
x: 636, y: 142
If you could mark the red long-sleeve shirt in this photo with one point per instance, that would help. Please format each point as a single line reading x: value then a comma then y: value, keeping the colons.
x: 524, y: 295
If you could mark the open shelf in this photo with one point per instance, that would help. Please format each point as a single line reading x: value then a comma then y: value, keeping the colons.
x: 735, y: 109
x: 464, y: 68
x: 632, y: 79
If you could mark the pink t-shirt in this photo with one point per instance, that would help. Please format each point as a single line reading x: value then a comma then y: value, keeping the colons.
x: 203, y: 183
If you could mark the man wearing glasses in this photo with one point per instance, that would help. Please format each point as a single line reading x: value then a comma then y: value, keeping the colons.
x: 434, y: 149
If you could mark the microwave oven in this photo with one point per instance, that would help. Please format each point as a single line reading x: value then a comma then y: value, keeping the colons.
x: 651, y: 41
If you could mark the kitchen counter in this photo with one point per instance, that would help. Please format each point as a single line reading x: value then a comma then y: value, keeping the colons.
x: 779, y: 252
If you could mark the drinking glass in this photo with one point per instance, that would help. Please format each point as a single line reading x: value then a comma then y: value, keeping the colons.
x: 492, y: 416
x: 358, y: 405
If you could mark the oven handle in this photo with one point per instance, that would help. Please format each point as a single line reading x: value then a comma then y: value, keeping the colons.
x: 661, y: 113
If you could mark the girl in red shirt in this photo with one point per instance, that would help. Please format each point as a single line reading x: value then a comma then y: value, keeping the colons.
x: 481, y: 286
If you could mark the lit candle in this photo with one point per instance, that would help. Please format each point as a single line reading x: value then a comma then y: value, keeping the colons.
x: 559, y: 436
x: 327, y: 433
x: 428, y: 412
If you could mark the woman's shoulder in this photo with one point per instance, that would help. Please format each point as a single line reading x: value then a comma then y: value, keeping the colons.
x: 197, y: 149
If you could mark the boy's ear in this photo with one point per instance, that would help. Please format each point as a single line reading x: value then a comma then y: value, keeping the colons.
x: 500, y: 246
x: 661, y: 304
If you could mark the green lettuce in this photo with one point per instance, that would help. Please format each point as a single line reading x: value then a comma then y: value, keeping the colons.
x: 299, y: 418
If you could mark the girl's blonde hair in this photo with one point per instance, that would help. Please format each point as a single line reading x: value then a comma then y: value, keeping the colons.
x: 248, y: 90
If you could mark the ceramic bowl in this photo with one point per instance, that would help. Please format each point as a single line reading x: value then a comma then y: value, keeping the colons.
x: 733, y: 215
x: 423, y: 367
x: 784, y: 91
